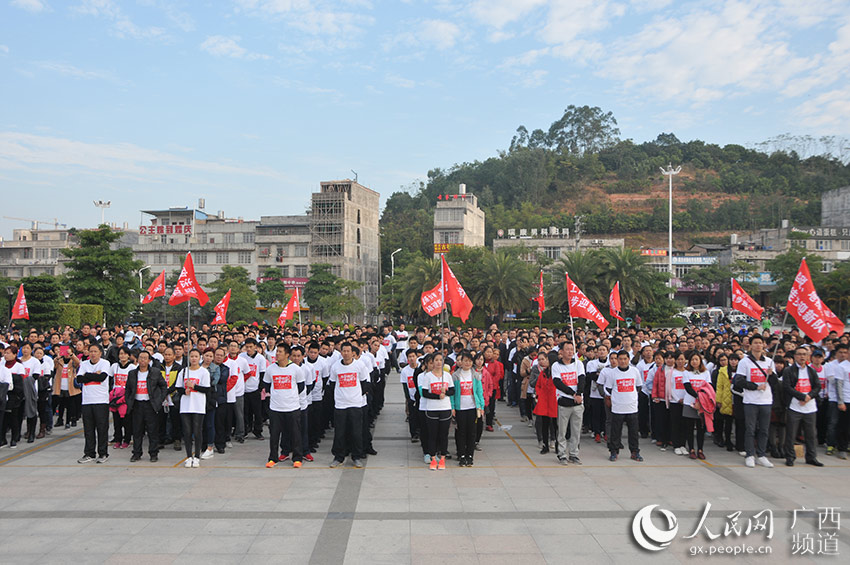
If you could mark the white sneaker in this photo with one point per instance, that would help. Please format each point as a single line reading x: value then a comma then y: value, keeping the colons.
x: 742, y: 453
x: 229, y: 444
x: 750, y: 461
x: 765, y: 462
x: 208, y: 454
x: 679, y: 451
x: 427, y: 458
x: 196, y: 462
x: 188, y: 463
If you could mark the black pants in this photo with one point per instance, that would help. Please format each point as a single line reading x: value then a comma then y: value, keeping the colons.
x: 643, y: 414
x: 490, y: 409
x: 223, y: 424
x: 366, y: 420
x: 314, y: 416
x: 689, y: 424
x: 121, y: 428
x: 193, y: 433
x: 677, y: 427
x: 661, y: 422
x: 793, y: 422
x: 547, y: 429
x: 740, y: 422
x: 144, y: 421
x: 843, y: 430
x: 465, y: 432
x: 597, y: 415
x: 253, y: 413
x: 348, y: 433
x: 723, y: 431
x: 631, y: 421
x: 412, y: 413
x: 479, y: 429
x: 96, y: 429
x: 285, y: 427
x: 822, y: 420
x: 68, y: 406
x: 438, y: 422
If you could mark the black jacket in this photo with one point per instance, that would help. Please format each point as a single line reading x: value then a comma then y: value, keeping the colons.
x: 790, y: 375
x: 156, y: 388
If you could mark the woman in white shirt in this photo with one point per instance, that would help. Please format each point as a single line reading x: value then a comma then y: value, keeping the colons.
x: 193, y: 383
x: 677, y: 397
x: 436, y: 388
x: 696, y: 376
x: 121, y: 426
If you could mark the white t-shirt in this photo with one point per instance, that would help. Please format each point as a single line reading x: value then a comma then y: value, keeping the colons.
x: 32, y: 370
x: 238, y: 367
x: 387, y: 343
x: 567, y: 374
x: 408, y: 380
x: 843, y: 372
x: 95, y: 393
x: 304, y: 402
x: 435, y: 384
x: 64, y: 375
x: 696, y: 380
x: 757, y: 372
x: 624, y: 387
x: 804, y: 386
x: 830, y: 371
x: 193, y: 402
x: 678, y: 392
x: 605, y: 374
x: 256, y: 365
x: 402, y: 337
x: 647, y: 371
x: 319, y: 370
x: 821, y: 371
x: 595, y: 366
x: 47, y: 367
x: 119, y: 375
x: 283, y: 394
x: 467, y: 398
x: 142, y: 386
x: 6, y: 376
x: 348, y: 392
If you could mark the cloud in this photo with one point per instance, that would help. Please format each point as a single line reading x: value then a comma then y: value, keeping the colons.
x: 72, y: 71
x: 400, y: 82
x: 30, y: 5
x: 222, y: 46
x: 438, y: 34
x: 499, y: 13
x: 122, y: 25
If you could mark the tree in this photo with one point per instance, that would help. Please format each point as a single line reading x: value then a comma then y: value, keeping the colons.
x: 43, y: 297
x: 637, y: 280
x: 322, y: 283
x: 582, y: 130
x: 273, y: 290
x: 835, y: 290
x: 704, y: 278
x: 784, y: 268
x: 343, y: 304
x: 420, y: 275
x: 100, y: 272
x: 502, y: 282
x: 243, y: 300
x: 5, y: 300
x: 584, y: 269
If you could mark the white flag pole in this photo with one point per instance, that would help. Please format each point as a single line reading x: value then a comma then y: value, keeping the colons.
x: 298, y: 298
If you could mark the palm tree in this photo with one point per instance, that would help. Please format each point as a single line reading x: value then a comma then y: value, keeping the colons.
x: 584, y: 269
x: 418, y: 276
x: 502, y: 282
x: 637, y: 279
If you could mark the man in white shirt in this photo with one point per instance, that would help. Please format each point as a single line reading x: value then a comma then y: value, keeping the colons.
x: 568, y: 377
x: 93, y: 375
x: 752, y: 377
x: 801, y: 385
x: 284, y: 381
x: 621, y: 389
x: 239, y: 368
x: 253, y: 404
x: 350, y: 382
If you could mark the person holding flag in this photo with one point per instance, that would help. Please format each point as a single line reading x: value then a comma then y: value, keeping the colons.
x: 614, y: 307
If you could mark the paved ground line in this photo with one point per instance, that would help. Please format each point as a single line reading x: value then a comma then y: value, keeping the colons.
x: 40, y: 447
x: 521, y: 450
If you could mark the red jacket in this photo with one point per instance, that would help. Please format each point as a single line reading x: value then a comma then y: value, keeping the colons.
x: 706, y: 404
x: 497, y: 373
x: 547, y: 402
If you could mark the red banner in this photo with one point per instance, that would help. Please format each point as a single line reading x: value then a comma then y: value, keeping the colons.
x: 20, y: 310
x: 221, y: 309
x: 454, y: 294
x: 614, y: 302
x: 188, y: 286
x: 582, y: 307
x: 541, y: 300
x: 835, y: 324
x: 156, y: 289
x: 432, y: 301
x: 293, y: 306
x: 743, y: 302
x: 805, y: 305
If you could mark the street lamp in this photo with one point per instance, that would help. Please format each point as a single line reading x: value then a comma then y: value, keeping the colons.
x: 10, y: 290
x: 669, y: 172
x: 67, y: 294
x: 141, y: 297
x: 392, y: 262
x: 103, y: 205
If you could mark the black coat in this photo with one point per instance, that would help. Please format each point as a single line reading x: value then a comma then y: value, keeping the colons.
x: 790, y: 375
x: 156, y: 388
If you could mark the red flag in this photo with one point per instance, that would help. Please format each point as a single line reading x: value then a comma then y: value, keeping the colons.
x: 805, y: 305
x: 156, y: 289
x: 188, y: 286
x: 454, y: 294
x: 20, y: 310
x: 835, y: 324
x: 541, y: 300
x: 743, y: 302
x: 293, y: 306
x: 614, y: 302
x: 432, y: 301
x: 221, y: 309
x: 582, y: 307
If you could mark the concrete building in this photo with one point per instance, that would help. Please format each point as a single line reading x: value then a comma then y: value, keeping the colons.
x: 835, y: 208
x: 551, y: 242
x: 458, y: 221
x: 344, y: 233
x: 283, y: 242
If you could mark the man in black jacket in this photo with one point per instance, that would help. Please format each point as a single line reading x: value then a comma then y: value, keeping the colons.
x: 144, y: 402
x: 801, y: 384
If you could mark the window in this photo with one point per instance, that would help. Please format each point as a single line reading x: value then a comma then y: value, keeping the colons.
x: 202, y: 277
x: 300, y: 249
x: 178, y: 258
x: 826, y: 267
x: 358, y: 216
x: 201, y: 258
x: 449, y: 237
x: 162, y: 258
x: 823, y: 245
x: 245, y: 257
x: 248, y: 237
x: 282, y: 250
x: 203, y: 237
x: 358, y: 235
x: 284, y: 269
x: 453, y: 215
x: 229, y: 237
x: 41, y: 252
x: 222, y: 258
x: 301, y: 271
x: 845, y: 245
x: 54, y: 253
x: 552, y: 252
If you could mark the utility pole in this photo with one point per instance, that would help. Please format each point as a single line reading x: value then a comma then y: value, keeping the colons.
x: 669, y: 172
x: 103, y: 205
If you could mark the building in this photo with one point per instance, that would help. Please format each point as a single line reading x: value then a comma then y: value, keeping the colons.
x: 283, y: 242
x: 835, y: 208
x: 458, y: 221
x: 551, y: 242
x: 344, y: 232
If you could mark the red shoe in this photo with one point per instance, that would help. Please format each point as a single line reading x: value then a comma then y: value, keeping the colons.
x: 283, y: 457
x: 489, y: 428
x: 433, y: 465
x: 308, y: 457
x: 692, y: 454
x: 442, y: 465
x: 598, y: 438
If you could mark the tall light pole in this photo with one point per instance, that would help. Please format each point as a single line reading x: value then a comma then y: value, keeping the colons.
x: 669, y: 172
x: 142, y: 296
x: 103, y: 205
x: 392, y: 262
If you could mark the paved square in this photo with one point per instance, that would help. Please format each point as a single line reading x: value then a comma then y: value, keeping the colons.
x: 513, y: 506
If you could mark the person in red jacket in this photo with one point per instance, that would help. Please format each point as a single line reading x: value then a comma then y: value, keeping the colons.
x: 494, y: 372
x: 546, y: 407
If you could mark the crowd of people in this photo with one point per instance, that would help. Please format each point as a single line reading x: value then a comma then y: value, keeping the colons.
x: 756, y: 392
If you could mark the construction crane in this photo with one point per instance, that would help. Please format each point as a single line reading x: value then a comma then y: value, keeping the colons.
x: 35, y: 223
